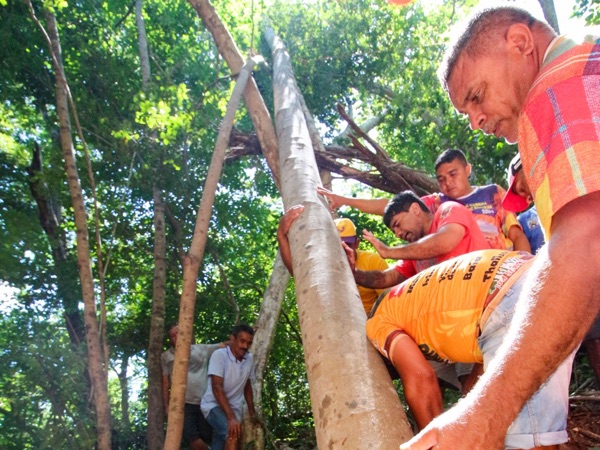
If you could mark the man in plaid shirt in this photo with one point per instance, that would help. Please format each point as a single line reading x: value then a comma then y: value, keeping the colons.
x: 514, y: 78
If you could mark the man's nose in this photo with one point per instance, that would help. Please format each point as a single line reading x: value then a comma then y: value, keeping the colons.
x: 476, y: 119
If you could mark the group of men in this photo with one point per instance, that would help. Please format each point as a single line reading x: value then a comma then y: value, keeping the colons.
x: 517, y: 317
x: 218, y: 381
x: 466, y: 288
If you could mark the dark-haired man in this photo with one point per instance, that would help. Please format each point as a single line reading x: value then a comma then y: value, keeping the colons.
x: 230, y: 370
x: 516, y: 79
x: 432, y: 238
x: 500, y: 227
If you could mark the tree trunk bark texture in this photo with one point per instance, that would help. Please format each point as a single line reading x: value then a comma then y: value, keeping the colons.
x: 254, y: 101
x: 354, y: 403
x: 191, y: 265
x: 156, y: 417
x: 96, y: 368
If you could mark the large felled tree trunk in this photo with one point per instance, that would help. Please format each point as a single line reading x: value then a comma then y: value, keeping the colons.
x: 191, y: 266
x: 354, y: 402
x: 96, y: 368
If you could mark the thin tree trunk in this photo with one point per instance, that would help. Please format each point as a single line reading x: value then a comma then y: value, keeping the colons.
x: 96, y: 369
x: 353, y: 400
x: 191, y: 266
x: 550, y: 13
x: 64, y: 268
x: 264, y: 336
x: 124, y: 383
x: 259, y: 113
x: 156, y: 417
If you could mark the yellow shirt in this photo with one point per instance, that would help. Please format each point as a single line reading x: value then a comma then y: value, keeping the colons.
x: 440, y: 308
x: 369, y: 261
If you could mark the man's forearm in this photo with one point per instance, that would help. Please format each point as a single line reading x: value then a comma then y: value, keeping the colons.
x: 376, y: 279
x: 556, y: 307
x: 223, y: 402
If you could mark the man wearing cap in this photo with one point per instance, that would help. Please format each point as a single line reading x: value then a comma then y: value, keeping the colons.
x: 364, y: 261
x: 460, y: 311
x: 518, y: 198
x: 347, y: 231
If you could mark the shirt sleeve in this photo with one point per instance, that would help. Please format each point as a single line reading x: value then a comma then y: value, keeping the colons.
x: 452, y: 212
x: 216, y: 366
x: 164, y: 363
x: 406, y: 268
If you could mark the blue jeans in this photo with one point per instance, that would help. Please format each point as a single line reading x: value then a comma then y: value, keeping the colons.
x: 543, y: 419
x: 218, y: 421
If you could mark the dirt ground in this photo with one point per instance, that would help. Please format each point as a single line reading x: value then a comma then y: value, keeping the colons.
x: 584, y: 422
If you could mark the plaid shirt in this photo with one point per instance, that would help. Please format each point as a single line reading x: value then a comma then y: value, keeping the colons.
x: 559, y: 129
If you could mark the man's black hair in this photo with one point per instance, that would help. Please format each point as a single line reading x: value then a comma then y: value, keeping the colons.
x: 242, y: 327
x: 449, y: 155
x: 401, y: 203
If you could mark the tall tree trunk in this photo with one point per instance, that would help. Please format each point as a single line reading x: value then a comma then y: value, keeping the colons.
x: 268, y: 318
x: 550, y: 13
x: 191, y: 266
x: 254, y: 102
x: 353, y: 400
x: 156, y: 418
x: 96, y: 368
x: 124, y: 384
x: 64, y: 268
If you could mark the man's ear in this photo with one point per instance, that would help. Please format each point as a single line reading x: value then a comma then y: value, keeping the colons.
x: 415, y: 208
x: 519, y: 39
x: 468, y: 169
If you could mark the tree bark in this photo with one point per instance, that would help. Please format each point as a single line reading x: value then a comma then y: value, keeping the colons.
x: 550, y: 13
x: 334, y: 158
x: 354, y: 402
x: 254, y: 101
x: 191, y: 266
x: 96, y: 369
x: 66, y: 272
x: 156, y: 417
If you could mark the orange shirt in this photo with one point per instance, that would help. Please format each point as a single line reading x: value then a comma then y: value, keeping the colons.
x: 440, y: 308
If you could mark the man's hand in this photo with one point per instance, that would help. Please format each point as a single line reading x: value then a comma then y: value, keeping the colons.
x: 334, y: 200
x: 288, y: 218
x: 458, y: 429
x: 234, y: 429
x: 381, y: 248
x: 351, y: 255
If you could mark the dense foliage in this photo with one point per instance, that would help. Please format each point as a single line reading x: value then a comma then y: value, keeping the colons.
x: 374, y: 58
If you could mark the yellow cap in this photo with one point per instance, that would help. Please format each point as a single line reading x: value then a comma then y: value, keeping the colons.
x: 345, y: 227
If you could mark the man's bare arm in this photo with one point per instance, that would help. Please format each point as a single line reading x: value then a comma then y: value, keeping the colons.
x: 519, y: 240
x: 433, y: 245
x: 551, y: 319
x: 234, y: 426
x: 366, y: 205
x: 378, y: 279
x: 165, y: 393
x: 249, y: 396
x: 421, y: 388
x: 284, y: 227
